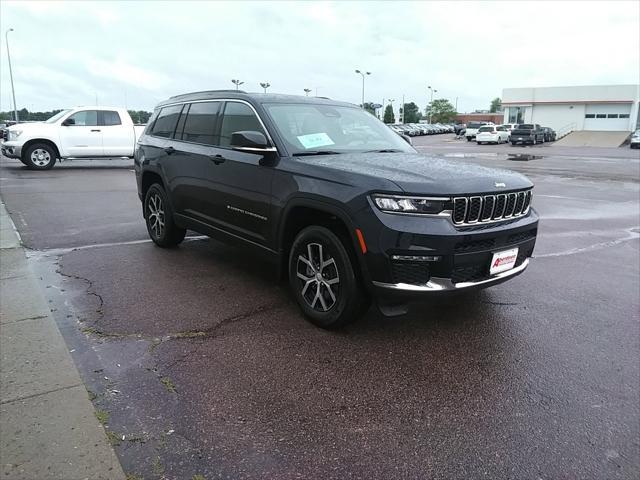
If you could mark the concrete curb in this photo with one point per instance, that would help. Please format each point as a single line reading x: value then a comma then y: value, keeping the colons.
x: 48, y: 428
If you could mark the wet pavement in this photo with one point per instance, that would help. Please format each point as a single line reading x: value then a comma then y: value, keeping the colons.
x: 206, y: 367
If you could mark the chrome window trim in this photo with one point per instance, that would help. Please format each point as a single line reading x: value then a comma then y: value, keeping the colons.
x: 209, y: 100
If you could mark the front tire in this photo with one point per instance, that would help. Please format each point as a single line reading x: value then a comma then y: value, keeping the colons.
x: 323, y: 279
x: 39, y: 156
x: 159, y: 218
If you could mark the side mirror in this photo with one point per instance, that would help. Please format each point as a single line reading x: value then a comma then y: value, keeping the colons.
x: 251, y: 142
x: 68, y: 121
x: 406, y: 138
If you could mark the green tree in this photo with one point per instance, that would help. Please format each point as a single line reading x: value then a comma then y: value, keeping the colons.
x: 389, y: 117
x: 441, y: 111
x: 496, y: 105
x: 412, y: 113
x: 368, y: 106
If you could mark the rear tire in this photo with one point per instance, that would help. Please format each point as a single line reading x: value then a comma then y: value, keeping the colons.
x: 159, y: 218
x: 323, y: 279
x: 39, y: 156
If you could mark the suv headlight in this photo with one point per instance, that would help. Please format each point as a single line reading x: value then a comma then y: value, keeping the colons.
x: 400, y: 204
x: 13, y: 134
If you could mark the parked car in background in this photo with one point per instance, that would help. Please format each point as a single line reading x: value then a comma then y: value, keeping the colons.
x: 509, y: 126
x: 347, y: 220
x: 527, y: 133
x: 79, y: 132
x: 472, y: 129
x: 492, y: 134
x: 635, y: 140
x: 549, y: 134
x: 459, y: 127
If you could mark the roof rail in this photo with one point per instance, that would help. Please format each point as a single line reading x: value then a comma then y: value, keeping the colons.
x: 224, y: 90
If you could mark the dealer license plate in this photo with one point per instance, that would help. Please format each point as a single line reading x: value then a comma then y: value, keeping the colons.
x: 503, y: 261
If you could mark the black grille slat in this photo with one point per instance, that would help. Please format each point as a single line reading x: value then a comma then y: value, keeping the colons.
x: 487, y: 209
x: 411, y: 273
x: 475, y: 207
x: 475, y: 245
x: 479, y: 209
x: 459, y: 209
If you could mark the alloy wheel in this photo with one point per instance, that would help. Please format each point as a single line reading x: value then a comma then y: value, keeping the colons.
x: 156, y: 215
x: 319, y: 278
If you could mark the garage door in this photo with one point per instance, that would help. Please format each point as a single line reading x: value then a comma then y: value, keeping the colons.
x: 611, y: 117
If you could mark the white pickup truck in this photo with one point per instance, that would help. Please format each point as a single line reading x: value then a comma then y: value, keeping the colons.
x: 80, y: 132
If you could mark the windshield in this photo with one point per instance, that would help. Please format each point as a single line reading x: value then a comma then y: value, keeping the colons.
x: 339, y: 129
x: 57, y: 116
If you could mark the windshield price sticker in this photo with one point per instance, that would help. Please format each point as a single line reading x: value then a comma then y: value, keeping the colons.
x: 314, y: 140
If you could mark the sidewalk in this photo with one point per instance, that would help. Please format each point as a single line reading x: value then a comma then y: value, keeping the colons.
x: 48, y: 429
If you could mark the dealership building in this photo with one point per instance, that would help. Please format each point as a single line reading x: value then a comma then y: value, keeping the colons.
x: 565, y: 109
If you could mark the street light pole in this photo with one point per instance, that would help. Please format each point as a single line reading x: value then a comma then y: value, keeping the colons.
x: 363, y: 74
x: 237, y: 83
x: 431, y: 102
x: 13, y: 91
x: 265, y: 86
x: 306, y: 91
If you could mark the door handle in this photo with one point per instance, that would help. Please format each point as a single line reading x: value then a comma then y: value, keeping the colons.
x: 95, y: 130
x: 169, y: 150
x: 217, y: 159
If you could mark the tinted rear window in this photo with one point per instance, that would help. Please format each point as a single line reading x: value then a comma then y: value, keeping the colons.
x: 110, y: 118
x: 525, y: 126
x: 200, y: 124
x: 485, y: 129
x: 474, y: 124
x: 165, y: 124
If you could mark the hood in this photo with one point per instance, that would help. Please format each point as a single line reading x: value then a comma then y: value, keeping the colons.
x: 28, y: 126
x: 420, y: 174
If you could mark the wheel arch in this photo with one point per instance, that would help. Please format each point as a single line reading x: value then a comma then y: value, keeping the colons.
x: 28, y: 144
x: 301, y: 213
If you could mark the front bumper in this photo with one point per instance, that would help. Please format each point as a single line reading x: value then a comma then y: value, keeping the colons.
x: 411, y: 255
x: 11, y: 149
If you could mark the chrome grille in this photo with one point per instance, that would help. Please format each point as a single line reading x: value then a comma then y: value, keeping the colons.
x: 490, y: 208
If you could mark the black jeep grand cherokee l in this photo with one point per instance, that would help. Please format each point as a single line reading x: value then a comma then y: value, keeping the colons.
x: 342, y: 203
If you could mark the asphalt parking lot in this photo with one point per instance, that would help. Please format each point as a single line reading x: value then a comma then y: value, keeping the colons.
x: 206, y: 367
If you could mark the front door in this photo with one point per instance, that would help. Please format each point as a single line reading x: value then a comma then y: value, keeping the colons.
x: 84, y: 137
x: 242, y: 185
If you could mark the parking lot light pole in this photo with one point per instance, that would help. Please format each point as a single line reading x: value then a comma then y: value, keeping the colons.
x: 13, y: 92
x: 265, y: 86
x: 363, y: 74
x: 237, y: 83
x: 431, y: 101
x: 306, y: 91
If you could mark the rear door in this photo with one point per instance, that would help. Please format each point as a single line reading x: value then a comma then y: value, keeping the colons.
x: 84, y: 137
x: 117, y: 139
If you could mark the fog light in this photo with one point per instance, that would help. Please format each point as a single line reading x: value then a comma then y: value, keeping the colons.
x: 416, y: 258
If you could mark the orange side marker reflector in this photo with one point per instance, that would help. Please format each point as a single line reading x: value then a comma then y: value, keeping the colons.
x: 363, y: 246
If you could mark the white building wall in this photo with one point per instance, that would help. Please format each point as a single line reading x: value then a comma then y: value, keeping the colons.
x: 558, y: 107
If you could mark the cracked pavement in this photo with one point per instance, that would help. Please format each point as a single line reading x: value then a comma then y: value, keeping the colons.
x: 206, y: 367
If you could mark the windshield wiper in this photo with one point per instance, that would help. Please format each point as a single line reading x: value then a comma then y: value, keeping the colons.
x: 384, y: 150
x: 315, y: 152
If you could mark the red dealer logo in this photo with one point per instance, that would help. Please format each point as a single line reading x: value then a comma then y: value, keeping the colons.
x: 502, y: 261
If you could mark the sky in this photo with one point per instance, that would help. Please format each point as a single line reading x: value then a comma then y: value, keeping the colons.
x: 138, y: 53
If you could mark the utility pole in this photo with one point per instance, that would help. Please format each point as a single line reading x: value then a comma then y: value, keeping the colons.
x: 363, y: 74
x: 456, y: 104
x: 13, y: 91
x: 402, y: 110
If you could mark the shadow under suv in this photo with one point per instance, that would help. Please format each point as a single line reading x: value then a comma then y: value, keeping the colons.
x: 342, y: 204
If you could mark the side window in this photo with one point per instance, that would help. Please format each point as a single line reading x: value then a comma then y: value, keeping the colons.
x: 200, y: 123
x: 500, y: 129
x: 86, y: 118
x: 110, y: 118
x: 165, y: 124
x: 237, y: 117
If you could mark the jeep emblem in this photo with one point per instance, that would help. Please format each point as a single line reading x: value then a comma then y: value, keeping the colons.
x: 500, y: 185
